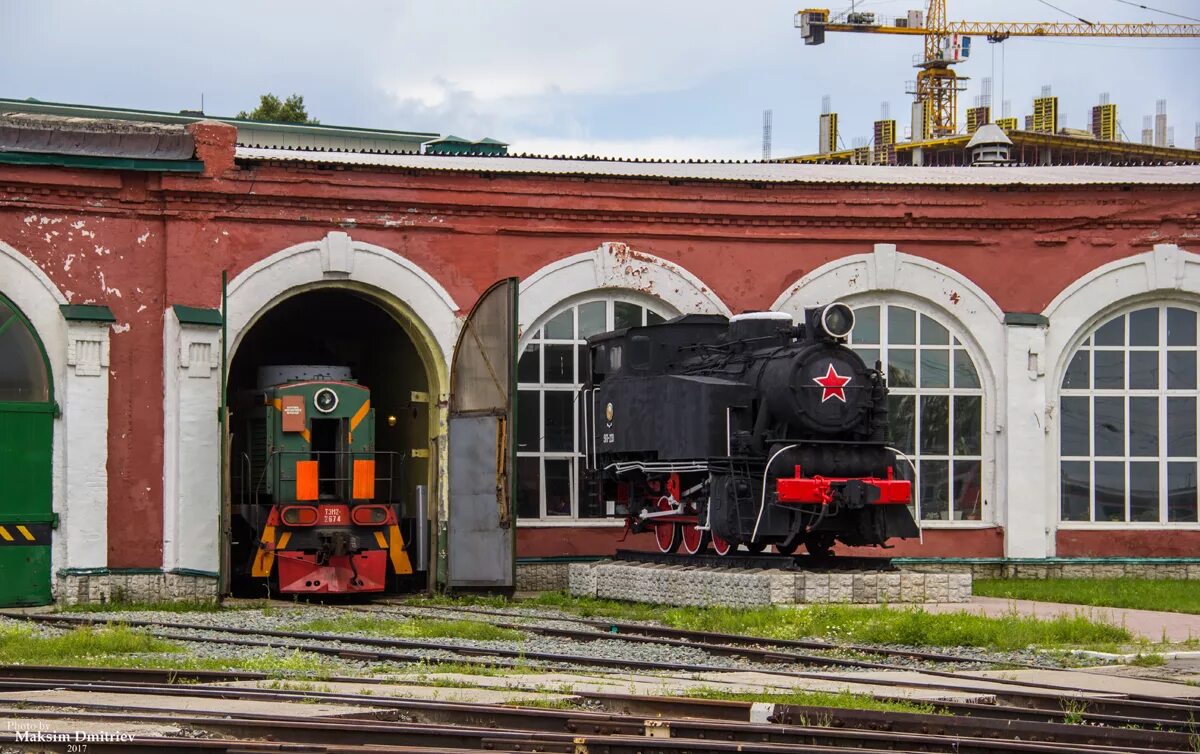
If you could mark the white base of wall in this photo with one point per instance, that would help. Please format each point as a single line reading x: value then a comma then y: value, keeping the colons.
x: 133, y: 586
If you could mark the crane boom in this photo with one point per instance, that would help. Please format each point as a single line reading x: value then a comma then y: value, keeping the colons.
x: 948, y: 42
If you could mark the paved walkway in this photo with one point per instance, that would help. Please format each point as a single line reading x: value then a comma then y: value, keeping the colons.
x: 1148, y: 624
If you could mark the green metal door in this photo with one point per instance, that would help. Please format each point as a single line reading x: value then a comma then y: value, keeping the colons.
x: 26, y: 435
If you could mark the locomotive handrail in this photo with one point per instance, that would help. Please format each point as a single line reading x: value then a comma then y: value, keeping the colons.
x: 390, y: 479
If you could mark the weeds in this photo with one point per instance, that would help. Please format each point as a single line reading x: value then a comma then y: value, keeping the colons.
x: 164, y: 606
x: 803, y: 698
x: 1073, y: 711
x: 82, y: 644
x: 1150, y: 660
x: 1171, y: 595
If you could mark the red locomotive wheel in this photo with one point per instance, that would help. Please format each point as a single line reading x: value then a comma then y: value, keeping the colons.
x: 666, y: 535
x: 695, y: 539
x: 720, y: 546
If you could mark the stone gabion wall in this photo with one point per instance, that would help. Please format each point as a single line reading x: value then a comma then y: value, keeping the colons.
x: 73, y: 589
x: 680, y: 585
x: 1068, y: 570
x: 542, y: 577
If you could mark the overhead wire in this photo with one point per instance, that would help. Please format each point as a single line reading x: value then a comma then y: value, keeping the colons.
x: 1157, y: 10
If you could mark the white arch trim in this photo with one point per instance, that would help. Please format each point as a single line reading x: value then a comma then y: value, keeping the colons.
x: 1163, y: 273
x: 933, y: 287
x: 335, y: 258
x: 614, y: 265
x: 79, y: 493
x: 893, y: 276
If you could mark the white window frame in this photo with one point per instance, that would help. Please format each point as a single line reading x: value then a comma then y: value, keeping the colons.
x: 954, y: 344
x: 1160, y: 393
x: 647, y: 304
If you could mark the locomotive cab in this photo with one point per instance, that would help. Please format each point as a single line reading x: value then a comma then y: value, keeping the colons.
x: 750, y: 431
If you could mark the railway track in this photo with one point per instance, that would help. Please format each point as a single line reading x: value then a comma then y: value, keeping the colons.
x: 624, y: 724
x: 1047, y: 698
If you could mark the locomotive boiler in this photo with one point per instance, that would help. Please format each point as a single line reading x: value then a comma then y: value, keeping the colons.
x: 314, y: 509
x: 747, y: 431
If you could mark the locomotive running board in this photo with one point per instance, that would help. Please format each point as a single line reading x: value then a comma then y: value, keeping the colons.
x: 761, y: 560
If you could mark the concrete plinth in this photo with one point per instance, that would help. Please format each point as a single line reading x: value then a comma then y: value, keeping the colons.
x: 687, y: 585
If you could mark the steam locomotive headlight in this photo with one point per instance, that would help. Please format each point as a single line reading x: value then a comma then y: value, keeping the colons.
x: 837, y: 320
x: 325, y: 400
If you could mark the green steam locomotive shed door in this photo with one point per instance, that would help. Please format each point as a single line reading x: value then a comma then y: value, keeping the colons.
x: 26, y: 436
x: 481, y: 532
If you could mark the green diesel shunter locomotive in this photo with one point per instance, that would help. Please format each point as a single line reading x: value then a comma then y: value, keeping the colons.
x: 313, y: 505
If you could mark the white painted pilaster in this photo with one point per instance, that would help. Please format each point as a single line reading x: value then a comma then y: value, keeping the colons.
x: 191, y: 452
x: 84, y: 519
x: 1027, y: 514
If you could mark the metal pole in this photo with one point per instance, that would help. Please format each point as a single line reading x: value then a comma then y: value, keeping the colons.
x: 223, y: 420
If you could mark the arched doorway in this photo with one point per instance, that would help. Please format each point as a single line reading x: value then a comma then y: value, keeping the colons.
x: 357, y: 328
x: 26, y: 439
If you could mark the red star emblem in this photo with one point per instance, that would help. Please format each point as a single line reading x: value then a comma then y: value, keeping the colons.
x: 833, y: 384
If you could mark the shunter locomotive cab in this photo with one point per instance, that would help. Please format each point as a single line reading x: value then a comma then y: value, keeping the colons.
x: 750, y: 431
x: 315, y: 507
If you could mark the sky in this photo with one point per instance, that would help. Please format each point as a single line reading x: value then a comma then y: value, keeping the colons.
x: 651, y: 79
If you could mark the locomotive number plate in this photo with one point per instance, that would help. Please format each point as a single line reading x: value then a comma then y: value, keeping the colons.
x: 609, y: 437
x: 333, y: 514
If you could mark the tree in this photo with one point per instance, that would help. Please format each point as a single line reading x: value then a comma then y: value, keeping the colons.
x: 271, y: 108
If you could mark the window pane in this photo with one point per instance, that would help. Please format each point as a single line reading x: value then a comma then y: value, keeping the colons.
x: 1181, y: 370
x: 1143, y: 491
x: 933, y: 333
x: 935, y: 368
x: 1143, y: 370
x: 1143, y: 426
x: 868, y: 355
x: 558, y: 487
x: 626, y: 314
x: 900, y: 422
x: 1110, y: 370
x: 592, y: 318
x: 1143, y: 327
x: 560, y: 420
x: 1181, y: 426
x: 1112, y: 334
x: 529, y: 489
x: 1110, y: 491
x: 562, y: 327
x: 935, y: 423
x: 968, y: 425
x: 935, y: 483
x: 967, y: 482
x: 22, y: 369
x: 902, y: 367
x: 1076, y: 425
x: 529, y: 366
x: 1181, y: 491
x: 1110, y: 426
x: 1076, y: 377
x: 529, y: 420
x: 866, y: 325
x: 902, y: 325
x: 1076, y: 490
x: 965, y: 375
x: 653, y: 318
x: 1181, y: 327
x: 560, y: 363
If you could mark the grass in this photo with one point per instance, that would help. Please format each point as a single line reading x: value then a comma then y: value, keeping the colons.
x: 1170, y: 595
x: 416, y: 628
x: 868, y: 625
x: 1150, y: 660
x: 20, y: 645
x: 802, y: 698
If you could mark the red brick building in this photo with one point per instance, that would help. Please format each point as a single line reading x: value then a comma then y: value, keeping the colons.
x: 1039, y: 324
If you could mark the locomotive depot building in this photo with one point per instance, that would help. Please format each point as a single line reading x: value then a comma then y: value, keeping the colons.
x: 1038, y: 326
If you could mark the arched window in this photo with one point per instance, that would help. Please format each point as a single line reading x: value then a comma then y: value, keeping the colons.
x: 935, y: 406
x: 1127, y: 418
x: 549, y: 374
x: 23, y: 375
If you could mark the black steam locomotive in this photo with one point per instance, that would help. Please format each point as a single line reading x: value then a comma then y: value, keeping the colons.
x: 745, y: 431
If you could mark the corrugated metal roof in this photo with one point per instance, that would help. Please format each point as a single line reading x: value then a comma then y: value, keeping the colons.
x: 751, y: 172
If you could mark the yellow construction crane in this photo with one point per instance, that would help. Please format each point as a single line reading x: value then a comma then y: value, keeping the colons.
x: 949, y: 42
